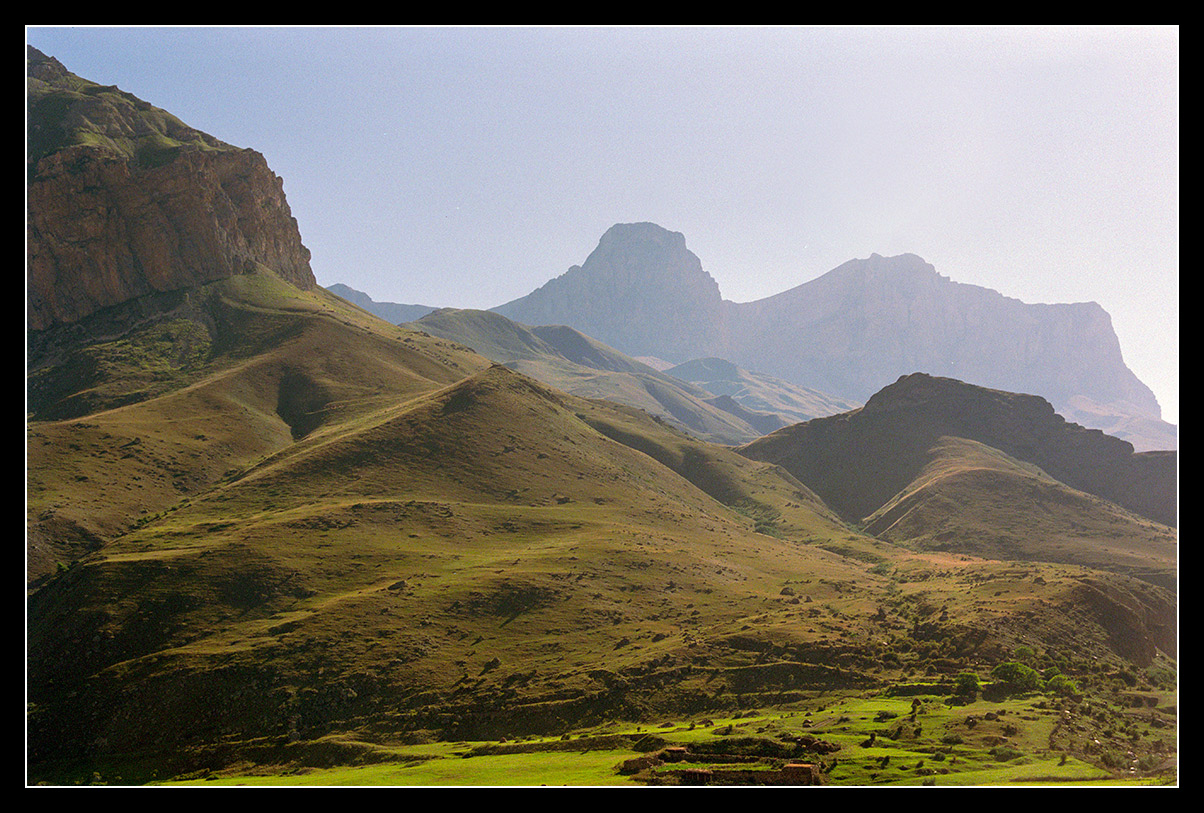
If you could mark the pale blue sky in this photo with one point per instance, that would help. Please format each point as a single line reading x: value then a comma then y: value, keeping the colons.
x: 467, y: 166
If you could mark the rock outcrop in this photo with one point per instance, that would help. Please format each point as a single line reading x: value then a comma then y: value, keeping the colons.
x: 124, y: 201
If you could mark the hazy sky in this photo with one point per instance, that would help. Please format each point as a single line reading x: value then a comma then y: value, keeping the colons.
x: 467, y: 166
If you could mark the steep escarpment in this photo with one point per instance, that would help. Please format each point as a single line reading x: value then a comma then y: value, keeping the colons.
x: 124, y: 200
x: 872, y: 320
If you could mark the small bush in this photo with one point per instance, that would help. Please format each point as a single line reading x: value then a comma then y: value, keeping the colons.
x: 966, y: 685
x: 1017, y: 677
x: 1060, y: 684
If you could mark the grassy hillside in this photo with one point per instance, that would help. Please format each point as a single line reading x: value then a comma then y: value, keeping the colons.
x: 268, y: 533
x: 573, y: 362
x: 329, y: 537
x: 965, y: 500
x: 131, y: 414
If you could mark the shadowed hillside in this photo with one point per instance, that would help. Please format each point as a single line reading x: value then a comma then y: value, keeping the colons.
x: 946, y: 465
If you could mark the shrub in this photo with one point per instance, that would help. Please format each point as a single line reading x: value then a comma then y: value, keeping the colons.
x: 1060, y: 684
x: 966, y: 685
x: 1005, y: 753
x: 1161, y: 677
x: 1017, y: 677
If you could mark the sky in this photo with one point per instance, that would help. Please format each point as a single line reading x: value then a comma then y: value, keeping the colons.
x: 465, y: 167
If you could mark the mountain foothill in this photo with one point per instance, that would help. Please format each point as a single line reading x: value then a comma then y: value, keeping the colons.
x: 266, y: 526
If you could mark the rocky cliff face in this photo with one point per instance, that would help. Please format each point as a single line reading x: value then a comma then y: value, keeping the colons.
x: 124, y: 201
x: 852, y: 331
x: 640, y: 291
x: 870, y: 321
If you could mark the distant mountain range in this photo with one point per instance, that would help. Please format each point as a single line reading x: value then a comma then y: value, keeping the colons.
x: 852, y: 331
x: 721, y: 403
x: 710, y: 398
x: 577, y: 364
x: 389, y: 311
x: 840, y: 337
x: 758, y: 391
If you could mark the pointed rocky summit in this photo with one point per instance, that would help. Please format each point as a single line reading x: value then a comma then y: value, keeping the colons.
x: 640, y: 291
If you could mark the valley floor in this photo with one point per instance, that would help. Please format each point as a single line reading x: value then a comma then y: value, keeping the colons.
x: 842, y: 739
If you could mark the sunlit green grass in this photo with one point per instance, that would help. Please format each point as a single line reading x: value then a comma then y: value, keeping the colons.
x: 550, y: 768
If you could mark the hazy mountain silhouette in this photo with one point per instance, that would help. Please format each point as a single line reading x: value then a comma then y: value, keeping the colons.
x: 571, y: 361
x: 758, y: 391
x: 640, y: 291
x: 393, y: 312
x: 852, y: 331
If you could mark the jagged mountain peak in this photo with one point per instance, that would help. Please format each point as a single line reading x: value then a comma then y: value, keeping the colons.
x: 646, y: 254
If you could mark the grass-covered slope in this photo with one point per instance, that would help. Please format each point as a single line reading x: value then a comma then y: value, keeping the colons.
x: 973, y: 499
x: 336, y: 530
x: 419, y: 567
x: 577, y: 364
x: 132, y: 412
x: 66, y: 110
